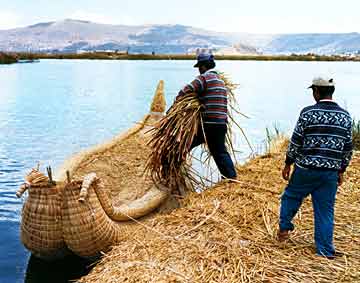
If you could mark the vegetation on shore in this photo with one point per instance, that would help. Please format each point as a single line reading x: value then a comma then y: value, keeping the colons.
x: 124, y: 56
x: 7, y: 58
x: 356, y: 134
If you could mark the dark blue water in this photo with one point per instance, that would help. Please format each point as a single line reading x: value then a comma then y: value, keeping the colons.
x: 52, y: 109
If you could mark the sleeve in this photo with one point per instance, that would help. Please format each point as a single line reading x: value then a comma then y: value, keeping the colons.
x: 348, y: 149
x: 196, y: 86
x: 296, y: 141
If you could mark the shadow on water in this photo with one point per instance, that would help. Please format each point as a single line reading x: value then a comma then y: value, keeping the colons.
x: 58, y: 271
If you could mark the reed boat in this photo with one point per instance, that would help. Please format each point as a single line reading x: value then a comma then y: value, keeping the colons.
x: 94, y: 196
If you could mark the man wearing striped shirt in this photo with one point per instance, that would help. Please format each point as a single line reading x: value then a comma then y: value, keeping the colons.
x: 321, y: 149
x: 212, y: 93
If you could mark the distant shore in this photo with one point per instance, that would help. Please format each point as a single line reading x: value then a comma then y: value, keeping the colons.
x: 7, y: 58
x: 123, y: 56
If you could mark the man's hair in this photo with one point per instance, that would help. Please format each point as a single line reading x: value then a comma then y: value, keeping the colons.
x: 208, y: 64
x: 325, y: 91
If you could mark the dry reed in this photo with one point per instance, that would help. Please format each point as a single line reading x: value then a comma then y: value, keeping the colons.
x: 228, y: 234
x: 171, y: 141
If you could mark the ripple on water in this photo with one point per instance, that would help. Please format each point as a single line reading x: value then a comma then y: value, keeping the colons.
x: 11, y: 176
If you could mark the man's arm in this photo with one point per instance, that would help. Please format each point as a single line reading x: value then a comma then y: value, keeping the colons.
x: 348, y: 150
x: 196, y: 86
x: 347, y: 154
x: 295, y: 145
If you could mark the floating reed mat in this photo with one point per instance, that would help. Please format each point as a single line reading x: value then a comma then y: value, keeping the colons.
x: 228, y: 234
x: 170, y: 162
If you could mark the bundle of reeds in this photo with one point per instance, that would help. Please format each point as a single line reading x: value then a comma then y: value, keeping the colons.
x: 232, y: 111
x: 171, y: 141
x: 172, y: 138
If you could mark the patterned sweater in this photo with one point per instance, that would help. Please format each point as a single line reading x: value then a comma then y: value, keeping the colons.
x: 212, y: 93
x: 322, y: 138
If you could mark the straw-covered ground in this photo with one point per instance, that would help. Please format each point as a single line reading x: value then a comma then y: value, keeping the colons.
x: 228, y: 233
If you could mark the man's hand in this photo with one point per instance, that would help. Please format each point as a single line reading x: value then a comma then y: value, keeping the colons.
x: 340, y: 179
x: 286, y: 172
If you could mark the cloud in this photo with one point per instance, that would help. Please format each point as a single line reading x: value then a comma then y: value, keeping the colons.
x: 9, y: 20
x: 103, y: 19
x: 287, y: 24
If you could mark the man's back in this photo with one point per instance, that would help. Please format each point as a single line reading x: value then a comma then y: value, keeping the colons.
x: 214, y: 98
x: 212, y: 93
x: 322, y: 138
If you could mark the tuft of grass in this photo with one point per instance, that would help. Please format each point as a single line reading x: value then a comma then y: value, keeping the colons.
x: 275, y: 141
x: 356, y: 134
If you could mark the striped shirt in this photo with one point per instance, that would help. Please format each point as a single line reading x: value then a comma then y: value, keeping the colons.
x: 322, y: 138
x: 212, y: 94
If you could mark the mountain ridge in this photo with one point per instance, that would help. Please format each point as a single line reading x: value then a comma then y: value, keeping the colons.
x: 71, y: 35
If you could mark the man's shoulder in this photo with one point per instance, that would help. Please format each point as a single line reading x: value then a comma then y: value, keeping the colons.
x: 307, y: 109
x: 319, y: 107
x: 200, y: 78
x: 211, y: 74
x: 340, y: 109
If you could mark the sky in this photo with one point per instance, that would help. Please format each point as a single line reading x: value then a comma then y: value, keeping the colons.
x: 253, y: 16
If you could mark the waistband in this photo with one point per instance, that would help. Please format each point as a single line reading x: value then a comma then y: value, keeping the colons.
x: 315, y: 168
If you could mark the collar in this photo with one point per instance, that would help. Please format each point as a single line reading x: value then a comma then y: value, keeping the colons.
x: 210, y: 71
x: 327, y: 100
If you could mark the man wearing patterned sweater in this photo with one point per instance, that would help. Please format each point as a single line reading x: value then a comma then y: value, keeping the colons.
x: 321, y: 149
x: 212, y: 93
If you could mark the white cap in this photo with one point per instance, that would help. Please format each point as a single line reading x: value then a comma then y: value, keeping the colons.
x: 321, y: 81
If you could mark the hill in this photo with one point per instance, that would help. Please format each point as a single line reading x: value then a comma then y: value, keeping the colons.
x: 71, y: 36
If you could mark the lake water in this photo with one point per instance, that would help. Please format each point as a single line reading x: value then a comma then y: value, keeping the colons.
x: 52, y: 109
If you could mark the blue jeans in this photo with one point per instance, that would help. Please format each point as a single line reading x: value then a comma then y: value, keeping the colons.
x: 322, y: 185
x: 215, y: 137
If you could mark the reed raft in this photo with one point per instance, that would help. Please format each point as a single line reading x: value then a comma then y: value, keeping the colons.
x: 96, y: 196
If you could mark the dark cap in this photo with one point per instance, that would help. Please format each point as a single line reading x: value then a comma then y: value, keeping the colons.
x: 204, y: 57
